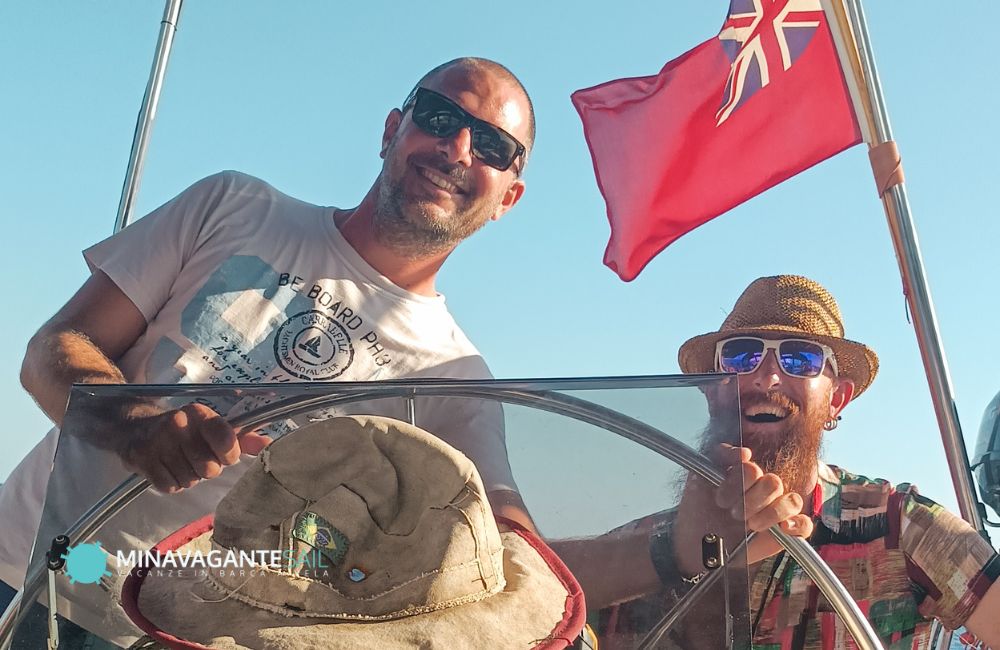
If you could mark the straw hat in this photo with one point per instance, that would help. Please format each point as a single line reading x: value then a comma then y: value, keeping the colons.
x: 786, y: 305
x: 387, y: 541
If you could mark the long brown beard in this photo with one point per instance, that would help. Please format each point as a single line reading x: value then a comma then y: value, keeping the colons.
x: 791, y: 453
x: 793, y: 458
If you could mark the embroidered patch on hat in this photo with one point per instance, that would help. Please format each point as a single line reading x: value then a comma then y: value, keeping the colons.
x: 317, y: 532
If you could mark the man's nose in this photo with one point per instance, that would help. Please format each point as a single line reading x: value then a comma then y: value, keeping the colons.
x: 457, y: 148
x: 768, y: 374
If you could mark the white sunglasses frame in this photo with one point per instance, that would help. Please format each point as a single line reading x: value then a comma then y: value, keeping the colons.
x: 772, y: 344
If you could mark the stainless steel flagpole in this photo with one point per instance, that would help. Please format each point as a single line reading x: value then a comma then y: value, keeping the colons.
x: 147, y: 113
x: 866, y: 91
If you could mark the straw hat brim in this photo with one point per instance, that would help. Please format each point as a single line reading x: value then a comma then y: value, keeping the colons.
x: 541, y: 606
x: 855, y: 361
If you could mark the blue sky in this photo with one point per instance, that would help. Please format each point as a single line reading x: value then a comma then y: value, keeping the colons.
x: 297, y: 95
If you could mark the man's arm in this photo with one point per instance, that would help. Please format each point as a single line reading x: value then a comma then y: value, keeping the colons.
x: 951, y: 563
x: 77, y: 345
x: 984, y: 621
x: 618, y: 565
x: 173, y: 449
x: 611, y: 568
x: 510, y: 505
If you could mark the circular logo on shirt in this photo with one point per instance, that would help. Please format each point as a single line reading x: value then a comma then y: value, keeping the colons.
x: 311, y: 345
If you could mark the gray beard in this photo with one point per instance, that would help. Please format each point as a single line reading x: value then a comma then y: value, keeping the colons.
x: 395, y: 232
x: 407, y: 230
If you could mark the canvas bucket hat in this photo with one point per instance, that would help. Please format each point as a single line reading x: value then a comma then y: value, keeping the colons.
x: 792, y: 306
x: 387, y: 541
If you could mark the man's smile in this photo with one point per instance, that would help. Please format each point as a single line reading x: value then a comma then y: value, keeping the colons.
x: 767, y: 408
x: 439, y: 180
x: 765, y: 413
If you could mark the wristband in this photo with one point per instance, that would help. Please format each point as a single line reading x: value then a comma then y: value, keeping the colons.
x: 662, y: 556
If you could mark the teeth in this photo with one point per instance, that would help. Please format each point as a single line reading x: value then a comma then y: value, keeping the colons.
x: 439, y: 181
x: 766, y: 409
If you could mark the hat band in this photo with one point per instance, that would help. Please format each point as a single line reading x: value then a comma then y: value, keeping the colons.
x: 290, y: 594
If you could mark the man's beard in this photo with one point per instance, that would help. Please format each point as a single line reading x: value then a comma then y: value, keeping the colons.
x: 791, y: 453
x: 413, y: 229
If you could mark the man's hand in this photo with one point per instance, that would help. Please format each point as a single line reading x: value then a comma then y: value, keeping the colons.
x: 748, y: 500
x: 762, y: 500
x: 176, y: 449
x: 80, y: 344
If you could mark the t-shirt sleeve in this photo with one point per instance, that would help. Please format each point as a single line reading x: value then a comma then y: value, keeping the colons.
x: 946, y: 559
x: 474, y: 426
x: 144, y: 259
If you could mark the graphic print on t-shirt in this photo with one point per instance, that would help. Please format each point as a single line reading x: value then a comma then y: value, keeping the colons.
x: 249, y: 324
x: 312, y: 345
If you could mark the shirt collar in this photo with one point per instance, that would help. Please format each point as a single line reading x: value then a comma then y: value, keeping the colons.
x: 827, y: 504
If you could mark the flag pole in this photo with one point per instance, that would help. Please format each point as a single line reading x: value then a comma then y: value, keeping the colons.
x: 854, y: 49
x: 147, y: 112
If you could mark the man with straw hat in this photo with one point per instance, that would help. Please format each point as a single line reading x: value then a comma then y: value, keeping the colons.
x: 904, y: 558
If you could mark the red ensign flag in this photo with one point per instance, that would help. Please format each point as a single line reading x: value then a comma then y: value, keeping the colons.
x: 757, y: 104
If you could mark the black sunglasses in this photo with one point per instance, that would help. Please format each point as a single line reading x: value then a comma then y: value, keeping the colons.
x: 442, y: 118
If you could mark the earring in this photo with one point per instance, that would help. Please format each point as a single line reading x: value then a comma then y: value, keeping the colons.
x: 831, y: 424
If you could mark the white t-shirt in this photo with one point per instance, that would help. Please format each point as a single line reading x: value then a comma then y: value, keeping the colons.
x: 240, y: 283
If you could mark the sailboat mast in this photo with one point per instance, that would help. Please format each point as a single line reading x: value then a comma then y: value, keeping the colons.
x: 147, y: 113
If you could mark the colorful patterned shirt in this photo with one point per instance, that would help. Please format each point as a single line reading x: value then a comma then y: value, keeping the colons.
x: 904, y: 558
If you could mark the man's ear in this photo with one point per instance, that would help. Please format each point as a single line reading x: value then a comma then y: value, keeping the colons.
x: 842, y: 395
x: 510, y: 199
x: 392, y: 122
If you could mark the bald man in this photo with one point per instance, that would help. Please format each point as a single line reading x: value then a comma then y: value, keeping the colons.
x: 233, y: 281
